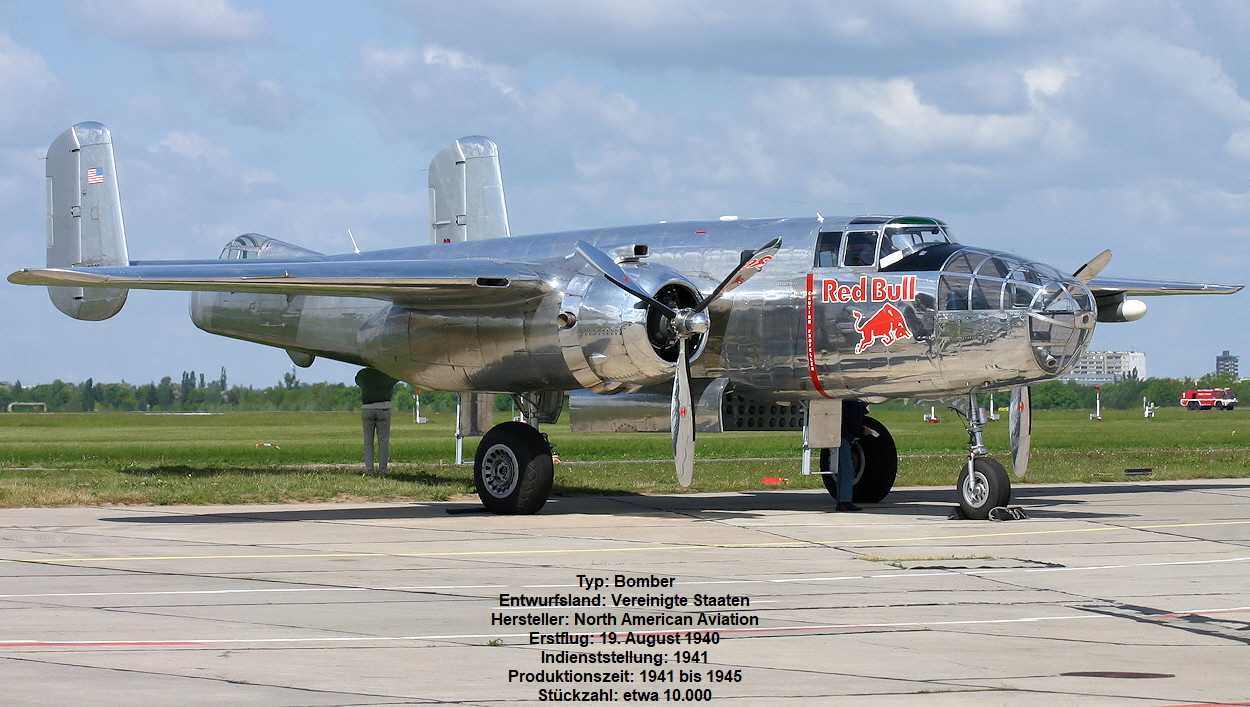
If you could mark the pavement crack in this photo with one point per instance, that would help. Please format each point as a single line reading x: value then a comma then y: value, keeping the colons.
x: 1195, y: 623
x: 222, y: 680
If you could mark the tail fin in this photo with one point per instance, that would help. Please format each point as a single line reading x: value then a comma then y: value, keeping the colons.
x: 466, y: 192
x: 85, y: 218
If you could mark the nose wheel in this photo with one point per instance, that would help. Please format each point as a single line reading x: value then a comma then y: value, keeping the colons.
x: 983, y: 486
x: 983, y: 483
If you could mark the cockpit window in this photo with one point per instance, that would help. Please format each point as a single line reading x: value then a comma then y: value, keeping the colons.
x: 861, y: 248
x: 827, y: 244
x: 902, y: 241
x: 245, y: 246
x: 884, y: 248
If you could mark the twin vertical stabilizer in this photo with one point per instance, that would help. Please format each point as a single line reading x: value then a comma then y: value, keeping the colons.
x: 85, y: 218
x: 466, y: 193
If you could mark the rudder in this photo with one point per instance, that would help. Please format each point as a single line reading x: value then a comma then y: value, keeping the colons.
x: 85, y: 218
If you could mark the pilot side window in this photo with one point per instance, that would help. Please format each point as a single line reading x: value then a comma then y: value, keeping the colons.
x: 827, y: 244
x: 861, y: 248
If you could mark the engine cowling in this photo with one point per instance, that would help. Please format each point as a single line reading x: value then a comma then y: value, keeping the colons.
x: 613, y: 342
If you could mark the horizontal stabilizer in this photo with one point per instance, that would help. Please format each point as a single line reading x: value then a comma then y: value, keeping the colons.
x: 411, y: 283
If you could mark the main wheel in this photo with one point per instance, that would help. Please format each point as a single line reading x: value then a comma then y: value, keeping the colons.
x: 876, y: 465
x: 512, y: 470
x: 986, y: 489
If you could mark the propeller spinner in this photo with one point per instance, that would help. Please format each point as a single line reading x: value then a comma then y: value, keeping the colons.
x: 685, y: 323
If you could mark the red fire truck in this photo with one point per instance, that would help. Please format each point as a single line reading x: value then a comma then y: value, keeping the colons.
x: 1218, y: 398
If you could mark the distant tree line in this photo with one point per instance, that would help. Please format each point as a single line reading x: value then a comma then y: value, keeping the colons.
x: 195, y: 393
x: 1121, y: 395
x: 1128, y: 394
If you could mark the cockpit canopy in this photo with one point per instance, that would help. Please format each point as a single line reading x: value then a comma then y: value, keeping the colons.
x: 254, y: 245
x: 879, y: 241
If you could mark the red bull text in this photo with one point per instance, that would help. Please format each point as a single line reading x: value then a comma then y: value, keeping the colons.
x: 870, y: 289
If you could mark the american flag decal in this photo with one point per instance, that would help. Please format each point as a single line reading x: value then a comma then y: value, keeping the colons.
x: 95, y: 175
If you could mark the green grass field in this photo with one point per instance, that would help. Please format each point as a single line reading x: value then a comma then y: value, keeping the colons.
x: 132, y: 458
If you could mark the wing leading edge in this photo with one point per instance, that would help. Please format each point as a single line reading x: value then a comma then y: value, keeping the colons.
x: 410, y: 283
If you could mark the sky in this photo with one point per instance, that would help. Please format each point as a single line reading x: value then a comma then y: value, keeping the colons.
x: 1050, y: 129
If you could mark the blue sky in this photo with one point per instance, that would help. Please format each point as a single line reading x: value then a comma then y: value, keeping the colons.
x: 1048, y: 129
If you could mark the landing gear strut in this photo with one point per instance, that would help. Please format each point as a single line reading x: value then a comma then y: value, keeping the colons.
x: 983, y: 484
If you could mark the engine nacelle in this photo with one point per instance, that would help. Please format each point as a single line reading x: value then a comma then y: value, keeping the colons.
x: 1119, y: 309
x: 587, y: 333
x: 611, y: 341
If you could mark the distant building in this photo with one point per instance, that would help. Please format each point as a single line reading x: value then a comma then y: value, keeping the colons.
x: 1101, y: 367
x: 1224, y: 363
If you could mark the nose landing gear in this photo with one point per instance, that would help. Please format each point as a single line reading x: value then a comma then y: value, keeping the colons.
x: 983, y: 484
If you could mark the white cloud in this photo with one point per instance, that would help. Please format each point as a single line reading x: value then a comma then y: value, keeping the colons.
x: 433, y: 90
x: 195, y: 154
x: 173, y: 25
x: 242, y: 96
x: 28, y: 88
x: 1045, y: 81
x: 1238, y: 145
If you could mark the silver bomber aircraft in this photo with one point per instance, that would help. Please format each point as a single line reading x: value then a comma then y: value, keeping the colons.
x: 760, y: 324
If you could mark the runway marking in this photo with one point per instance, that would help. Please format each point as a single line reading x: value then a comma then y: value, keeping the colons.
x: 684, y: 583
x: 644, y: 548
x: 174, y: 643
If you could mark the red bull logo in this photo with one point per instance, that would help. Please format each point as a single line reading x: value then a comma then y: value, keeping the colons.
x: 887, y: 325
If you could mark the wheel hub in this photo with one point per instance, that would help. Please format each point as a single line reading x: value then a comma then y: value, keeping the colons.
x: 500, y: 471
x: 976, y: 489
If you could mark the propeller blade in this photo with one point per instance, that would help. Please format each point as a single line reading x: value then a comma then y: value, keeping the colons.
x: 1090, y: 270
x: 686, y: 323
x: 745, y: 271
x: 616, y: 274
x: 1020, y: 424
x: 682, y: 418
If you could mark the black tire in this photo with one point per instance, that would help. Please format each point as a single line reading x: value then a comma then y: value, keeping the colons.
x: 876, y: 465
x: 512, y: 469
x: 990, y: 488
x: 1193, y: 405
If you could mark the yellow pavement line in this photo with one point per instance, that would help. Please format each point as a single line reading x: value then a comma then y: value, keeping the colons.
x: 640, y: 548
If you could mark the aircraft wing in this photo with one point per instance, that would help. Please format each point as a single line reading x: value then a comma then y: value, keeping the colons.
x: 1103, y: 286
x: 411, y: 283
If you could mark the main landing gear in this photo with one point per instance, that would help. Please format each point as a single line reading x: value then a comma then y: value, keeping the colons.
x: 876, y: 465
x: 983, y: 484
x: 513, y: 470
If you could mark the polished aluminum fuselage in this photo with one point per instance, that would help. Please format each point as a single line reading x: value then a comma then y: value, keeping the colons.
x: 796, y: 331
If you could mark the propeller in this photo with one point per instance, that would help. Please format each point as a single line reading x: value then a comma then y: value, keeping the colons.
x: 1020, y: 424
x: 685, y: 323
x: 1090, y: 270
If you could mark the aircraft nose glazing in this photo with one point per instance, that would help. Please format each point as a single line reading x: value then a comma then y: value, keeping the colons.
x: 1061, y: 311
x: 1062, y: 315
